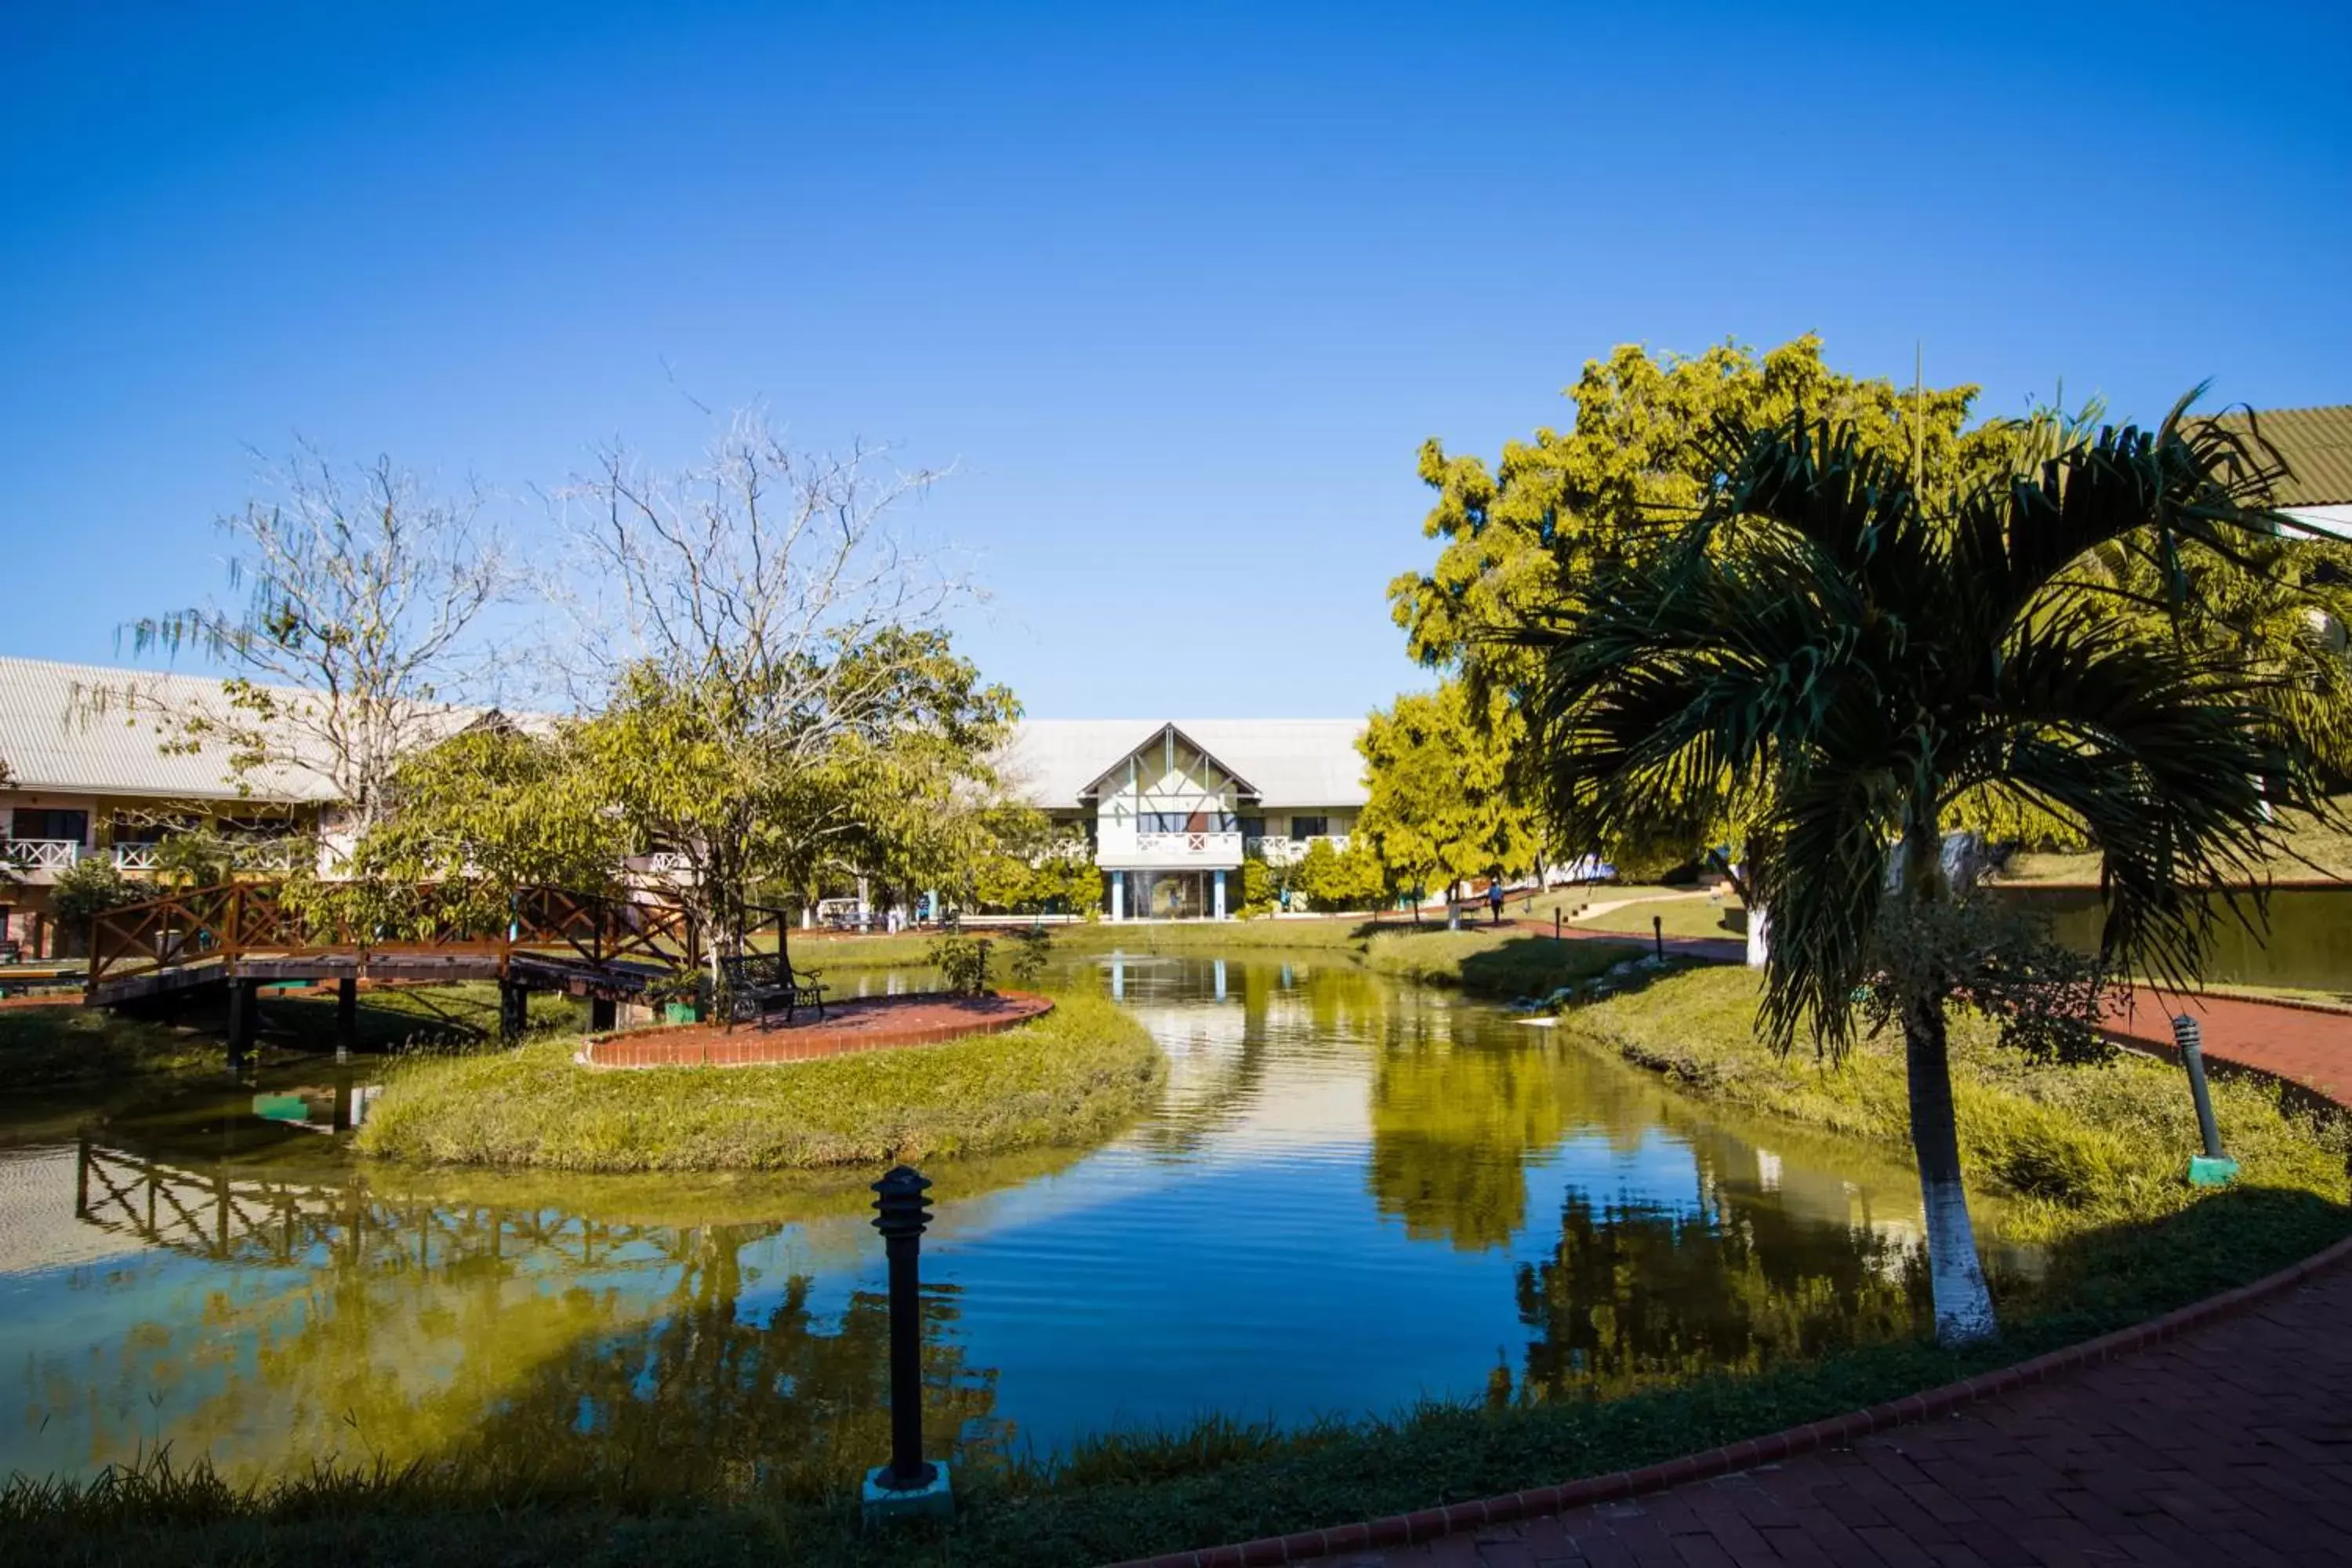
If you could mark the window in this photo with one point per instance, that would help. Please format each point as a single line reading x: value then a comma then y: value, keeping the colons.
x: 69, y: 825
x: 1309, y: 826
x: 1253, y: 826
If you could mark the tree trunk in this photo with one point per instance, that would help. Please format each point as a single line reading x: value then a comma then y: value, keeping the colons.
x: 1955, y: 1276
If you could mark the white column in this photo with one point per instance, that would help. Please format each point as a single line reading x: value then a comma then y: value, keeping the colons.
x: 1118, y: 895
x: 1218, y: 908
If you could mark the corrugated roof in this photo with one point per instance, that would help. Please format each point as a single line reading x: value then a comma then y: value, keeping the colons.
x: 2318, y: 446
x: 1293, y: 762
x: 52, y: 739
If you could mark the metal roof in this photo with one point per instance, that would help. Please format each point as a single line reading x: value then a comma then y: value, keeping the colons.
x: 2318, y: 446
x: 53, y: 740
x: 1291, y: 762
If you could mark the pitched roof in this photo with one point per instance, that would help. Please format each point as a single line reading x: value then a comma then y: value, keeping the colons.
x: 2318, y: 446
x: 1291, y: 762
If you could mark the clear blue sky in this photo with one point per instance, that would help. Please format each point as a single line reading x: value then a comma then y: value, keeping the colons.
x: 1178, y: 289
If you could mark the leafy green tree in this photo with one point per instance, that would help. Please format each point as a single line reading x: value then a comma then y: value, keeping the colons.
x: 1530, y: 536
x: 1442, y: 803
x: 1868, y: 651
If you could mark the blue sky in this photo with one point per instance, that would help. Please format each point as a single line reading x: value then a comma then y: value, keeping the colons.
x: 1179, y: 289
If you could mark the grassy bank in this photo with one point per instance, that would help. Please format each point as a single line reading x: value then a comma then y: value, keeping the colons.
x: 1070, y: 1077
x: 2082, y: 1148
x: 44, y: 1048
x: 1495, y: 963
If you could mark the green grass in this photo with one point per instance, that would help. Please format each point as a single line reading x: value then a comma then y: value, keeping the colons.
x: 1495, y: 963
x: 1682, y: 915
x: 2311, y: 851
x: 2080, y: 1147
x: 43, y: 1048
x: 1073, y: 1075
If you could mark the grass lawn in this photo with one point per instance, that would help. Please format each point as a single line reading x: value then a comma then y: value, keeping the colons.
x: 1071, y: 1077
x: 2081, y: 1147
x: 47, y: 1046
x: 1495, y: 963
x: 2094, y: 1155
x: 1682, y: 914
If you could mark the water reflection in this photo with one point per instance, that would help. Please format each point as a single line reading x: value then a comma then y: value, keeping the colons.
x: 1355, y: 1194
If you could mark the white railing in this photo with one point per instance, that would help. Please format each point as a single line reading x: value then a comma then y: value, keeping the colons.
x: 669, y: 863
x: 40, y: 853
x: 1178, y: 848
x: 242, y: 857
x: 135, y: 857
x: 1280, y: 849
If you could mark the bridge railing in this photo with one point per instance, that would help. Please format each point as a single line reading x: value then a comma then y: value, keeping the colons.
x: 238, y: 919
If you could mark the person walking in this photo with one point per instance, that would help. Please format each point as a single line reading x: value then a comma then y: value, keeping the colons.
x: 1494, y: 898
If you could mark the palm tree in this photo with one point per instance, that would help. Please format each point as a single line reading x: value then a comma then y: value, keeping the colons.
x: 1867, y: 664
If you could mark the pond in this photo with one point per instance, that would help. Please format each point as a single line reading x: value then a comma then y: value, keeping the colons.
x: 1357, y: 1195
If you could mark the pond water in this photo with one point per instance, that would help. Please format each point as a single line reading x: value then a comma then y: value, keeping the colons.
x: 1356, y: 1195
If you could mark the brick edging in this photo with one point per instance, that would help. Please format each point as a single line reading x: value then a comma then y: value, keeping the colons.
x: 887, y: 1039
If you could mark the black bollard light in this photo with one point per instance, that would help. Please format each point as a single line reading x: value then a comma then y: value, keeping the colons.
x: 909, y: 1485
x: 1658, y: 935
x: 2212, y: 1168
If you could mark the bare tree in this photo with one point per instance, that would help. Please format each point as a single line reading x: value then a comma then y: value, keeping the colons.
x: 362, y: 621
x: 766, y: 642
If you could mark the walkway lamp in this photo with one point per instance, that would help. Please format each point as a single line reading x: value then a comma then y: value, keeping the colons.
x: 909, y: 1485
x: 2212, y: 1168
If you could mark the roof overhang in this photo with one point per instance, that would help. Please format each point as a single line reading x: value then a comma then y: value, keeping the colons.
x: 1164, y: 735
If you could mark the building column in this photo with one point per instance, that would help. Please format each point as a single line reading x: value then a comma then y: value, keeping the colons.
x: 1118, y: 895
x: 1217, y: 898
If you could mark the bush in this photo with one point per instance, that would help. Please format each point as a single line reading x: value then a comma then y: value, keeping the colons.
x: 961, y: 961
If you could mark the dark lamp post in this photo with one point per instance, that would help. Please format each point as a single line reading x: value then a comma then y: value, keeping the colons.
x: 2213, y: 1168
x: 909, y: 1484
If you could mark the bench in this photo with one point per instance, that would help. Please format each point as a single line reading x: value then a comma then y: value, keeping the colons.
x: 762, y: 984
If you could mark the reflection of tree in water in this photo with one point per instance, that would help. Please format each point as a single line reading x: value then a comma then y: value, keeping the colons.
x: 1642, y: 1294
x: 1453, y: 1128
x: 706, y: 1395
x: 589, y: 1349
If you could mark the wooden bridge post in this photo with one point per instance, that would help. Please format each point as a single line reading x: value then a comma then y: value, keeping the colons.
x: 514, y: 1009
x: 244, y: 1003
x: 347, y: 1014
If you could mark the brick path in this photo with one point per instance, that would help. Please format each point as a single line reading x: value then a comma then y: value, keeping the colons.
x: 2230, y: 1444
x: 863, y: 1023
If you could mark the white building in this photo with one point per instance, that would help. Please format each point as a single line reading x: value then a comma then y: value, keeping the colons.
x: 1171, y: 807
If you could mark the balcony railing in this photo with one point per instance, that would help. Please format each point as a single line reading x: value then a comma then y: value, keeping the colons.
x: 1280, y: 849
x: 40, y: 853
x: 1180, y: 846
x: 260, y: 857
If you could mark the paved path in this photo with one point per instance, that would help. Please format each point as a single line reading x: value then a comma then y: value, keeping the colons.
x: 2229, y: 1445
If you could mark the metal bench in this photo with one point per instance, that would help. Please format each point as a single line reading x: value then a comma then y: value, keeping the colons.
x: 760, y: 985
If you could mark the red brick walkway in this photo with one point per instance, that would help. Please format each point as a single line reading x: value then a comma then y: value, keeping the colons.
x: 2230, y: 1444
x: 865, y: 1024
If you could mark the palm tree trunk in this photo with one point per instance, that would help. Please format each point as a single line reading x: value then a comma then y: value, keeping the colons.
x: 1955, y: 1276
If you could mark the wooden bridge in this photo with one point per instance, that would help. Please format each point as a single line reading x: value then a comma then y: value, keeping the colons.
x: 244, y: 934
